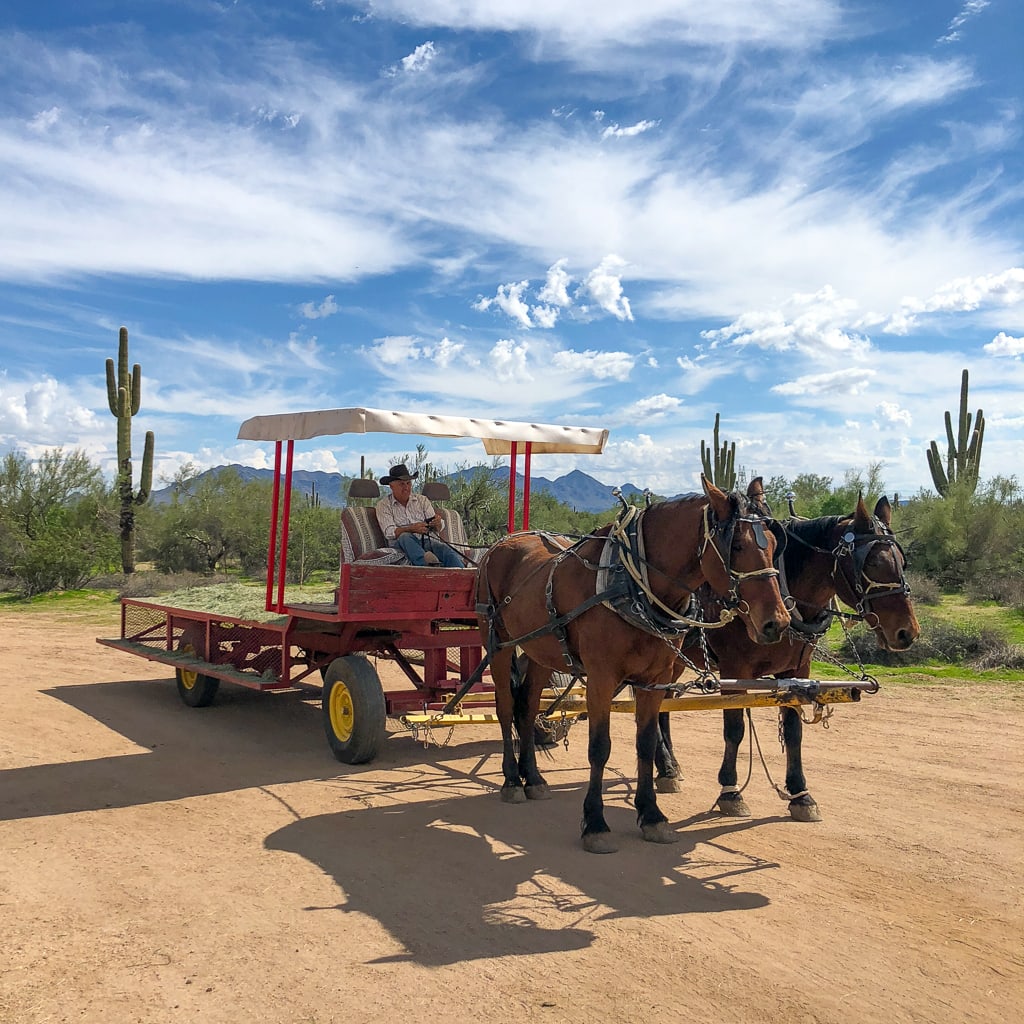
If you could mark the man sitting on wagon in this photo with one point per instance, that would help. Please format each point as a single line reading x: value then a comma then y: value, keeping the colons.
x: 408, y: 521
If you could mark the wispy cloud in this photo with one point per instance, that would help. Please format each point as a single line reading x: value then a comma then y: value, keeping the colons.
x: 970, y: 9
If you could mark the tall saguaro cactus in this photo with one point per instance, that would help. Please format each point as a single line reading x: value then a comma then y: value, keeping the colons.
x: 722, y: 473
x: 124, y: 394
x: 963, y: 458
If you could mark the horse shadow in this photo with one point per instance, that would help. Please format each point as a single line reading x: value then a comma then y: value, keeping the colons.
x: 471, y: 878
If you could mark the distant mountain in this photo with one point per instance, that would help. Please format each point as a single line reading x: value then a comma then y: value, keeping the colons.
x: 576, y: 489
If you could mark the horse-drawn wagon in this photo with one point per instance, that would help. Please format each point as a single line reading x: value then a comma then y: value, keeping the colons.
x: 547, y: 615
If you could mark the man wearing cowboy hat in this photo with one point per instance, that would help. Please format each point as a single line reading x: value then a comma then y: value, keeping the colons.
x: 407, y: 520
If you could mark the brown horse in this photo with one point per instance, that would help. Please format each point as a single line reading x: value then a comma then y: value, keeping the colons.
x: 545, y: 596
x: 855, y: 558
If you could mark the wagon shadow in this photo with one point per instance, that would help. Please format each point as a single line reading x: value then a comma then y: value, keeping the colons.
x: 245, y: 740
x: 471, y: 878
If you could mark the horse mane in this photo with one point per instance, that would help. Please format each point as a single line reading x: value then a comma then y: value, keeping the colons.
x: 815, y: 533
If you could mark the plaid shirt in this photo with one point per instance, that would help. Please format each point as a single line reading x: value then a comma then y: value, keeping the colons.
x: 392, y: 513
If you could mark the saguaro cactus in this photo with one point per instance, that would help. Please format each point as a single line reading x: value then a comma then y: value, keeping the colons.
x: 723, y: 472
x: 963, y: 458
x: 124, y: 394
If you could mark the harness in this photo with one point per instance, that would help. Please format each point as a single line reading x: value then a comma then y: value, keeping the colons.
x: 622, y: 583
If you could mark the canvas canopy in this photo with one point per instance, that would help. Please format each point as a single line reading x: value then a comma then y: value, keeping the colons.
x: 497, y: 435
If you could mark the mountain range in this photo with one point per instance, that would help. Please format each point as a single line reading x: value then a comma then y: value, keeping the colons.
x: 577, y: 489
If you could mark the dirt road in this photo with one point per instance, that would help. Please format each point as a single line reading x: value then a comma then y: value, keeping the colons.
x: 159, y: 863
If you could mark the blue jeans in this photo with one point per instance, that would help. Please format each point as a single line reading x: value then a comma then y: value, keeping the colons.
x: 414, y: 544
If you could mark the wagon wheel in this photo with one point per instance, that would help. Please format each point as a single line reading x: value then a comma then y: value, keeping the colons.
x: 353, y: 708
x: 194, y: 688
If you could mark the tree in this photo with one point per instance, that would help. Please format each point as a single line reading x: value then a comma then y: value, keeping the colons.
x: 963, y: 457
x: 54, y: 521
x: 124, y: 393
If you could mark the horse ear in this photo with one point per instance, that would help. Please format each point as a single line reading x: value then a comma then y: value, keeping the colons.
x: 719, y: 499
x: 755, y: 489
x: 861, y: 519
x: 883, y: 510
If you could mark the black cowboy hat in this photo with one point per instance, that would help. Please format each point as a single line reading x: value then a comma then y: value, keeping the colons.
x: 399, y: 472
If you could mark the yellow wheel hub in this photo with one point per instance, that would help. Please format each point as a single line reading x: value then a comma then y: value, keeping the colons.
x: 189, y: 677
x: 342, y: 712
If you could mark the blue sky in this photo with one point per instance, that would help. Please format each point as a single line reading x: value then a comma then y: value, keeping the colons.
x: 803, y: 214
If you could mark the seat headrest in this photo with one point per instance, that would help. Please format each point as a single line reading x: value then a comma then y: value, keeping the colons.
x: 363, y: 488
x: 436, y: 491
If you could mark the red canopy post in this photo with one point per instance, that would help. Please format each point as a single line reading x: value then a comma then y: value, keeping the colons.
x: 512, y: 486
x: 273, y: 527
x: 526, y: 484
x: 283, y: 560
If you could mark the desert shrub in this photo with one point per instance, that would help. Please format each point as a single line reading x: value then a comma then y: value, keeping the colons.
x: 153, y: 584
x: 923, y: 589
x: 1005, y: 589
x: 1001, y: 654
x: 955, y: 642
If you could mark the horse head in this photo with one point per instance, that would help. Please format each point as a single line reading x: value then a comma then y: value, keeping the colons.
x: 870, y: 577
x: 738, y: 562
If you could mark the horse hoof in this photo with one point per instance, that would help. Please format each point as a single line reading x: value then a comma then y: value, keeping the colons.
x: 732, y: 805
x: 659, y: 832
x: 667, y: 784
x: 540, y: 791
x: 599, y: 842
x: 512, y: 795
x: 800, y: 811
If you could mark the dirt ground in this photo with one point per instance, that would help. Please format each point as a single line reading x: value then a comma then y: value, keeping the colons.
x: 160, y: 863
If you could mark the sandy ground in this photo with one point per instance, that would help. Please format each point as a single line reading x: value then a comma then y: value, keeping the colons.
x: 159, y: 863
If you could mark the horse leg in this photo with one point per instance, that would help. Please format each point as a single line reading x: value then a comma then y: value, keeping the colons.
x: 669, y: 772
x: 653, y: 824
x: 730, y: 801
x: 802, y: 806
x: 527, y: 706
x: 512, y: 791
x: 596, y: 833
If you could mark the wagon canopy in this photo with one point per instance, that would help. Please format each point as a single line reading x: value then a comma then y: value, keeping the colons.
x: 498, y: 436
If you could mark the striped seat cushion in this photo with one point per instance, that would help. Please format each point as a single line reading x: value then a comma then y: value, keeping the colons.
x: 362, y: 539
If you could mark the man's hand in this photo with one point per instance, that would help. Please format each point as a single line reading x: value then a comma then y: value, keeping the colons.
x: 416, y: 528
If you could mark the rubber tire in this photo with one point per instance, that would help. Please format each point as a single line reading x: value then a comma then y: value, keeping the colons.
x: 194, y: 688
x: 357, y: 728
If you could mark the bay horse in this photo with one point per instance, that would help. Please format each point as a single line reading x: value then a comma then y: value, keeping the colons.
x: 854, y: 558
x: 543, y: 595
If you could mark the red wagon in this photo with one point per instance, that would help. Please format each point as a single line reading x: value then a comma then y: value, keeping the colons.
x: 422, y: 618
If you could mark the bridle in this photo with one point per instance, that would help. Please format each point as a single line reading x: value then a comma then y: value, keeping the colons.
x: 856, y: 549
x: 849, y: 561
x: 725, y: 530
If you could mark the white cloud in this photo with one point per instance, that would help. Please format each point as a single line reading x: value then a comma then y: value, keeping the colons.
x: 509, y: 362
x: 420, y: 58
x: 318, y: 311
x: 509, y: 299
x: 656, y: 405
x: 35, y: 415
x: 613, y: 131
x: 396, y: 349
x: 306, y: 351
x: 605, y: 28
x: 600, y: 365
x: 839, y: 382
x: 556, y: 287
x: 45, y: 119
x: 818, y: 325
x: 890, y: 412
x: 604, y: 286
x: 1004, y: 344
